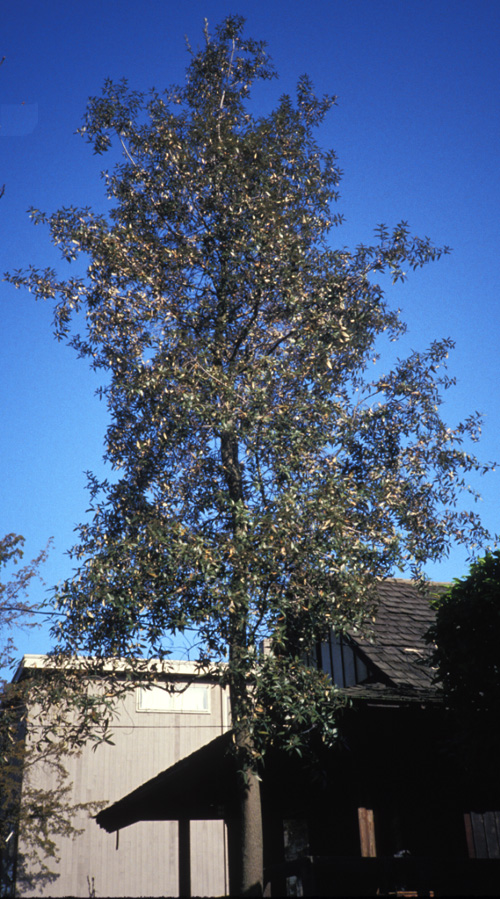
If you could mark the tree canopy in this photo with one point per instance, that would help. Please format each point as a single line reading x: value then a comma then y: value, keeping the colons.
x: 263, y: 477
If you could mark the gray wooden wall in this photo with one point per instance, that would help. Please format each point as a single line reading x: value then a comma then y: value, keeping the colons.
x: 145, y: 862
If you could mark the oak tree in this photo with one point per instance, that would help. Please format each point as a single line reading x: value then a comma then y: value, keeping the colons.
x: 263, y: 475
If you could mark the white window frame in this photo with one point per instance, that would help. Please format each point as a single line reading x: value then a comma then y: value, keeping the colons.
x: 174, y: 701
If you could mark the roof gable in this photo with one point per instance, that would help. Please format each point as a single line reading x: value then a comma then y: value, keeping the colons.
x: 394, y: 647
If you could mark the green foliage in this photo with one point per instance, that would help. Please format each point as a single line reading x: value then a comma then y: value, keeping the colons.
x: 466, y: 639
x: 262, y: 476
x: 15, y: 608
x: 294, y: 700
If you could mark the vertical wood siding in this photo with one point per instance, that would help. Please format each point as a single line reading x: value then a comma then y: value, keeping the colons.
x: 145, y: 862
x: 340, y: 661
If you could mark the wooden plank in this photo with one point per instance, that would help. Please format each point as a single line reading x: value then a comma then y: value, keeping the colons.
x: 367, y: 832
x: 497, y: 821
x: 479, y: 835
x: 349, y: 665
x: 491, y: 835
x: 208, y: 863
x: 338, y: 667
x: 326, y: 660
x: 469, y: 835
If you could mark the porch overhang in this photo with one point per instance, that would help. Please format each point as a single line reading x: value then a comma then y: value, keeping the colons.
x: 197, y: 787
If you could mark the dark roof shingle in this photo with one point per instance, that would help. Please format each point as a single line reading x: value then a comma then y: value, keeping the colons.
x: 395, y: 642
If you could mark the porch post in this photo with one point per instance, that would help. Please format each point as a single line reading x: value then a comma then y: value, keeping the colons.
x: 367, y: 833
x: 184, y: 858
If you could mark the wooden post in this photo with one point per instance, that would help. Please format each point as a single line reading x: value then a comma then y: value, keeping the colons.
x: 184, y: 857
x: 469, y: 836
x: 367, y: 832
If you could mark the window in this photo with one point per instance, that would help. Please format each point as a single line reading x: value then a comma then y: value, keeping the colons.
x: 185, y: 698
x: 337, y: 658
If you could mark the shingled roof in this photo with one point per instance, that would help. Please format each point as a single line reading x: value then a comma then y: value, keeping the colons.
x: 395, y: 646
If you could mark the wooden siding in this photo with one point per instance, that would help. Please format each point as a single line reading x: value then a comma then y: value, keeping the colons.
x: 483, y: 834
x: 143, y: 859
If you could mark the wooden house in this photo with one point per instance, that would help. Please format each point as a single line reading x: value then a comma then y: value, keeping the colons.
x: 389, y: 811
x: 152, y: 729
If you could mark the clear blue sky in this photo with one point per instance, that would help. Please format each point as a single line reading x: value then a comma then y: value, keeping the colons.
x: 417, y: 132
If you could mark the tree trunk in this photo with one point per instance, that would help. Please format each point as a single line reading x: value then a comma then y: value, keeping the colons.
x: 246, y: 867
x: 246, y: 854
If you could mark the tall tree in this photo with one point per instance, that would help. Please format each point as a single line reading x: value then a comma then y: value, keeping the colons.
x: 263, y: 478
